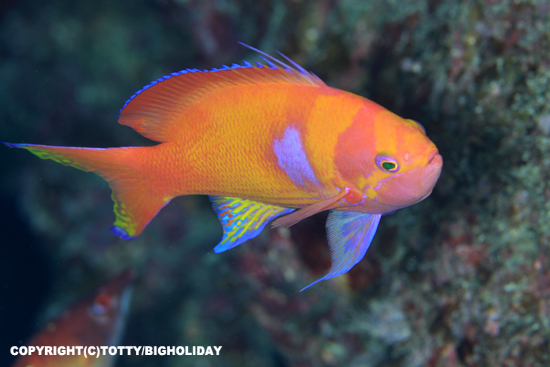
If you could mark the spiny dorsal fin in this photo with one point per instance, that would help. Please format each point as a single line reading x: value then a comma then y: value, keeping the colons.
x: 155, y: 110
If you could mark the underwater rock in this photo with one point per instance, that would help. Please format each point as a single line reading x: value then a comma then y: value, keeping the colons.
x: 463, y: 277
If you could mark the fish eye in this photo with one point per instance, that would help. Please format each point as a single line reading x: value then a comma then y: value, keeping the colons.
x: 420, y: 125
x: 387, y: 164
x: 101, y: 304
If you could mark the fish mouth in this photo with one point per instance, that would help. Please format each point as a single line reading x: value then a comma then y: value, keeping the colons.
x: 432, y: 171
x: 432, y: 156
x: 411, y: 187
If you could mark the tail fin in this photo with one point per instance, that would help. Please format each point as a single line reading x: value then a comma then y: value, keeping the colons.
x: 135, y: 201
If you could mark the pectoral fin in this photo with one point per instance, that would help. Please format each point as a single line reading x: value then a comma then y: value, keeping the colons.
x: 349, y: 237
x: 242, y: 219
x: 347, y: 197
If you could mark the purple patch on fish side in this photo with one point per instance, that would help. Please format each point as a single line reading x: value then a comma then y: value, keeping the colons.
x: 292, y: 158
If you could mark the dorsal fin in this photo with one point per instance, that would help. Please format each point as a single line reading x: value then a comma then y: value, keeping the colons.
x: 155, y: 110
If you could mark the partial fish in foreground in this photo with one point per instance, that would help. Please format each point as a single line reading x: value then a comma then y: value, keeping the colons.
x: 97, y: 320
x: 263, y: 140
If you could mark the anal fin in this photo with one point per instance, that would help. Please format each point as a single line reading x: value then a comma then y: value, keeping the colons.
x: 349, y: 237
x: 242, y: 219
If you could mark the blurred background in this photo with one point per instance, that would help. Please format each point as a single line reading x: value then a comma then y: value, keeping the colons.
x: 461, y: 279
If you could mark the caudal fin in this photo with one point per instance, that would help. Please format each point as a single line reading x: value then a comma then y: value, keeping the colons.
x: 136, y: 203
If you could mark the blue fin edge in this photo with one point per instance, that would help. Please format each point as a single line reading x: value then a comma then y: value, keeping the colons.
x: 13, y: 145
x: 246, y: 65
x: 365, y: 241
x: 117, y: 231
x: 248, y: 235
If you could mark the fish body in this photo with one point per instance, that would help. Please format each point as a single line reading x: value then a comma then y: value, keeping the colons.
x: 262, y: 141
x: 97, y: 320
x: 276, y: 144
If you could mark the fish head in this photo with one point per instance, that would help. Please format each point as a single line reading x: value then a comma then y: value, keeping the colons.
x: 96, y: 320
x: 391, y: 160
x: 406, y: 165
x: 107, y: 308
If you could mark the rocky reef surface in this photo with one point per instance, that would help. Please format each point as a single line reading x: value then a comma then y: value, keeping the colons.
x: 461, y: 279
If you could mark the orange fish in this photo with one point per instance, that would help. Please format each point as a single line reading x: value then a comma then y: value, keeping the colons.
x: 95, y: 321
x: 263, y: 140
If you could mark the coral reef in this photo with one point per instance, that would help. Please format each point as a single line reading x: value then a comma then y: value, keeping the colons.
x: 461, y: 279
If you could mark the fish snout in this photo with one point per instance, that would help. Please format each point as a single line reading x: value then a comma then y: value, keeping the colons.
x: 432, y: 171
